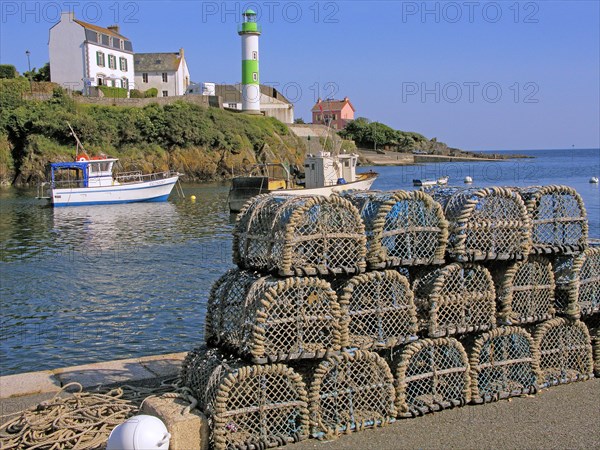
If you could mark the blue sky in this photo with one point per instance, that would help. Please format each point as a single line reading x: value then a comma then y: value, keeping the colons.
x: 476, y: 75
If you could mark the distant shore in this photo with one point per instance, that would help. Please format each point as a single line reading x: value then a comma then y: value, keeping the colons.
x: 388, y: 158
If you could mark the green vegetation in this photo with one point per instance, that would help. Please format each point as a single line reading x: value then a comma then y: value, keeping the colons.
x: 113, y: 92
x: 152, y: 92
x: 39, y: 75
x: 204, y: 143
x: 8, y: 71
x: 369, y: 134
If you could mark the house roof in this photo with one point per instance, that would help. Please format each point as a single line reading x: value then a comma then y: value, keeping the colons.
x: 156, y: 62
x: 98, y: 29
x: 331, y: 105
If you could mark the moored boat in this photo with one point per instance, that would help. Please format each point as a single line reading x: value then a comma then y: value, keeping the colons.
x: 324, y: 174
x: 90, y: 181
x: 442, y: 181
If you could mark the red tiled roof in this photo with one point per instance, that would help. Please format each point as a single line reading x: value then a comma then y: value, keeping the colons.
x: 331, y: 105
x: 99, y: 29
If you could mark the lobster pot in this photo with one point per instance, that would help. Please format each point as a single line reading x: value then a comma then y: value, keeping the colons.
x: 457, y: 298
x: 502, y: 364
x: 268, y: 319
x: 593, y: 324
x: 565, y: 351
x: 431, y: 375
x: 299, y: 235
x: 380, y: 310
x: 248, y: 406
x: 558, y: 216
x: 485, y: 224
x: 350, y: 392
x: 402, y: 228
x: 524, y: 291
x: 578, y: 283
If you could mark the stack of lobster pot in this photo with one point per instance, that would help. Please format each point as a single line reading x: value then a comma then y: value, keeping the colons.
x: 477, y: 297
x: 560, y: 233
x: 277, y: 366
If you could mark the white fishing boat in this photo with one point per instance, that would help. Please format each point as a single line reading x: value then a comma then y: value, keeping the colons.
x: 324, y: 174
x: 442, y: 181
x: 90, y: 181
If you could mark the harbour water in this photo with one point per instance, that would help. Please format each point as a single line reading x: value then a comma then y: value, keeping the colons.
x: 88, y: 284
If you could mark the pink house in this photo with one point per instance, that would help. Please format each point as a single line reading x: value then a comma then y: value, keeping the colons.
x: 338, y: 112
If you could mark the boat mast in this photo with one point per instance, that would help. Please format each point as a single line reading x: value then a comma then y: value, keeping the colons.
x: 79, y: 148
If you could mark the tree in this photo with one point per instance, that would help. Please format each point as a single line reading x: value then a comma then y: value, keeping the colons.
x: 43, y: 74
x: 299, y: 120
x: 8, y: 71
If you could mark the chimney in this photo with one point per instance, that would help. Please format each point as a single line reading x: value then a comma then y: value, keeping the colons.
x: 181, y: 53
x: 67, y: 16
x: 346, y: 99
x: 114, y: 28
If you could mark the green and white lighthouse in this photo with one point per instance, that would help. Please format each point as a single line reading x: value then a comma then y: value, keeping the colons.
x: 250, y: 31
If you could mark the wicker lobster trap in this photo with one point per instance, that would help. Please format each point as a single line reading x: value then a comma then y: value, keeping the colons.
x: 565, y: 351
x: 380, y: 310
x: 300, y: 235
x: 485, y: 224
x: 403, y: 228
x: 578, y: 283
x: 503, y: 364
x: 593, y: 324
x: 349, y: 392
x: 524, y: 291
x: 431, y: 375
x: 457, y: 298
x: 268, y: 319
x: 248, y: 406
x: 558, y: 216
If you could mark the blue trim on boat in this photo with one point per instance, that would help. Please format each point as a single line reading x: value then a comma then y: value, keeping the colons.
x: 162, y: 198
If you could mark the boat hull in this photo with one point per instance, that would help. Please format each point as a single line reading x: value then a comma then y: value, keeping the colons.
x: 149, y: 191
x: 246, y: 189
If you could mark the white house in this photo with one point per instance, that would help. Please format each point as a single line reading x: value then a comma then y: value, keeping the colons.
x: 167, y: 72
x: 83, y: 55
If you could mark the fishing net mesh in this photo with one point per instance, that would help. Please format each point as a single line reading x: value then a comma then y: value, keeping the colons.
x: 402, y: 228
x: 485, y: 224
x: 578, y: 283
x: 350, y: 392
x: 593, y: 324
x: 502, y: 363
x: 431, y: 375
x: 269, y: 319
x: 525, y: 291
x: 247, y: 405
x: 300, y: 235
x: 558, y: 215
x: 380, y: 310
x: 457, y: 298
x: 565, y: 351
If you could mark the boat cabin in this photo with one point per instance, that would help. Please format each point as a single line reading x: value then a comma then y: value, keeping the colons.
x: 323, y: 169
x: 84, y: 173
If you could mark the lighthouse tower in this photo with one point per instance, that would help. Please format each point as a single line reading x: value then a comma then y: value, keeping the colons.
x: 250, y: 31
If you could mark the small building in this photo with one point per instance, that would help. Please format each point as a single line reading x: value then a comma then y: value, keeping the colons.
x: 167, y: 72
x: 83, y: 55
x: 272, y: 102
x: 335, y: 112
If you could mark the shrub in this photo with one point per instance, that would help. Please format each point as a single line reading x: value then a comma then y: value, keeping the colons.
x: 136, y: 93
x: 152, y: 92
x: 113, y: 92
x: 8, y: 71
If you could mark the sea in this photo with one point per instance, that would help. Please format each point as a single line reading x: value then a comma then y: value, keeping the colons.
x: 87, y: 284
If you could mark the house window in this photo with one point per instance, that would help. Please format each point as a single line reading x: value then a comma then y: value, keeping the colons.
x: 121, y: 44
x: 232, y: 105
x: 112, y: 62
x: 110, y: 41
x: 100, y: 80
x: 165, y: 93
x: 144, y: 78
x: 100, y: 59
x: 164, y: 77
x: 254, y: 56
x: 254, y: 76
x: 123, y: 64
x: 125, y: 83
x: 113, y: 83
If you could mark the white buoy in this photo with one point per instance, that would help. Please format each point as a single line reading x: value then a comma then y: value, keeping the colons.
x: 139, y: 433
x: 468, y: 180
x: 594, y: 180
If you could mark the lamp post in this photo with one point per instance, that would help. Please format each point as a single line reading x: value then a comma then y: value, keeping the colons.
x: 27, y: 52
